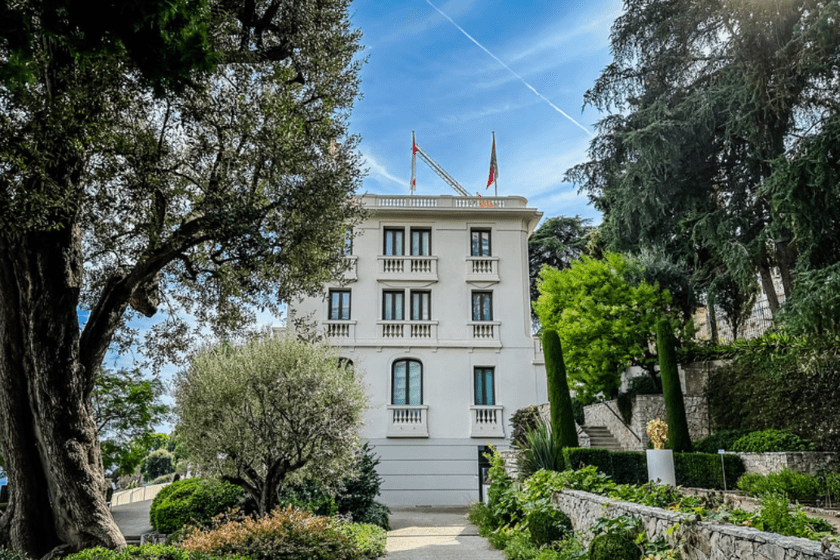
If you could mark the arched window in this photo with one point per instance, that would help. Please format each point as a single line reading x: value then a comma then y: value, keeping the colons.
x: 407, y: 383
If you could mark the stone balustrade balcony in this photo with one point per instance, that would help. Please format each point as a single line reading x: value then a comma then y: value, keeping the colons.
x: 408, y: 421
x: 486, y: 421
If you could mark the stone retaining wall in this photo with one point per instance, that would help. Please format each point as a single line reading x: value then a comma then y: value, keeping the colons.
x: 704, y: 540
x: 808, y: 462
x: 136, y: 494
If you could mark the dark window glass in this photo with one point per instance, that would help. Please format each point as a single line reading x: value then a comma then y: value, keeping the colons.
x: 407, y: 383
x: 421, y: 242
x: 480, y: 246
x: 392, y: 306
x: 421, y: 306
x: 339, y: 305
x: 394, y: 243
x: 484, y: 386
x: 482, y: 306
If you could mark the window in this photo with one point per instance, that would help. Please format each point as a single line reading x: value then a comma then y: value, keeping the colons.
x: 421, y: 306
x: 484, y: 394
x: 339, y: 305
x: 407, y: 383
x: 394, y: 242
x: 482, y: 306
x: 421, y: 242
x: 480, y: 246
x: 392, y: 306
x: 348, y: 243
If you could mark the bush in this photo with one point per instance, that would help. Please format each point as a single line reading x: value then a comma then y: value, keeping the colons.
x: 158, y: 463
x: 194, y: 501
x: 144, y: 552
x: 284, y: 534
x: 369, y: 539
x: 703, y: 470
x: 163, y: 479
x: 623, y: 467
x: 723, y: 439
x: 769, y: 441
x: 613, y: 547
x: 540, y: 452
x: 308, y: 496
x: 792, y: 485
x: 524, y: 421
x: 357, y: 495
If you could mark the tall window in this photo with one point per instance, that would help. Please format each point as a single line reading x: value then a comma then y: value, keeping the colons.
x: 421, y: 306
x: 348, y: 243
x: 421, y: 242
x: 407, y: 383
x: 482, y: 306
x: 339, y: 305
x: 392, y: 306
x: 394, y: 242
x: 480, y: 246
x: 484, y: 394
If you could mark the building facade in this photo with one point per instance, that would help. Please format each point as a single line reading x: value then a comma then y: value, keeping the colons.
x: 435, y: 315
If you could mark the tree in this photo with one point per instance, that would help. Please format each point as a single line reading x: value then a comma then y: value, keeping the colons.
x: 563, y: 428
x: 126, y: 408
x: 270, y: 412
x: 123, y: 195
x: 604, y: 323
x: 556, y: 243
x: 679, y: 438
x: 710, y: 98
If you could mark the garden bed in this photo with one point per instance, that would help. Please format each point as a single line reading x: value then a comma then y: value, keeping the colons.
x: 702, y: 540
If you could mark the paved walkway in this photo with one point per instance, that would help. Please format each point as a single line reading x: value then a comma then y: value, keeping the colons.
x: 133, y: 519
x: 436, y: 534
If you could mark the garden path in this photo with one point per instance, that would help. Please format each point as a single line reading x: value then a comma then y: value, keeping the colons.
x: 436, y: 534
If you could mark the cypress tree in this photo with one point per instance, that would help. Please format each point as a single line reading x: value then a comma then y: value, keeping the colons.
x: 563, y: 429
x: 678, y: 437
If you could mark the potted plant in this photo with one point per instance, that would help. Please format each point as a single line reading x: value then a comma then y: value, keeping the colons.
x: 660, y: 461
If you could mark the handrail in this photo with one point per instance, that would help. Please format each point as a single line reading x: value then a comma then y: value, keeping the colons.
x: 620, y: 419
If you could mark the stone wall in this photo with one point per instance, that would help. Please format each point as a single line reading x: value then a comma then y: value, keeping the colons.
x: 809, y: 462
x: 644, y: 409
x: 704, y: 540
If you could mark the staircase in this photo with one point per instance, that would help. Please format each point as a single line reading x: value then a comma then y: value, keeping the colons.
x: 600, y: 437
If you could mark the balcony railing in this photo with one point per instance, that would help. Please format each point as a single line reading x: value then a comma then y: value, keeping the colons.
x: 482, y: 269
x: 340, y: 330
x: 484, y: 330
x: 445, y: 201
x: 486, y: 421
x: 424, y: 330
x: 407, y: 421
x: 408, y: 268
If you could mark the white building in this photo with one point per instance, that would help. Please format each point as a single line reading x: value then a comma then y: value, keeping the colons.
x: 436, y: 317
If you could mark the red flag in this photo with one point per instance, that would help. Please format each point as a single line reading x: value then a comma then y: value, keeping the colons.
x: 494, y: 166
x: 413, y: 163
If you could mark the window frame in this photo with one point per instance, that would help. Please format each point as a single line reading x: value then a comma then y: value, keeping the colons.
x: 481, y: 232
x: 394, y: 365
x: 393, y: 294
x: 347, y: 250
x: 428, y: 306
x: 484, y: 305
x: 391, y: 231
x: 483, y: 371
x: 420, y: 230
x: 331, y: 307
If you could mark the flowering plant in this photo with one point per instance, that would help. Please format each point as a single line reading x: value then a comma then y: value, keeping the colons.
x: 657, y: 431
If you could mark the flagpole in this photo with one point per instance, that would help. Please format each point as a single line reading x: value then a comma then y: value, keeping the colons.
x: 413, y: 184
x: 496, y: 176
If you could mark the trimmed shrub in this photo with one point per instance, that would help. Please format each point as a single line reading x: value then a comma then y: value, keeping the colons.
x: 793, y: 485
x: 284, y: 534
x: 614, y: 546
x: 368, y: 538
x: 703, y: 470
x: 768, y: 441
x: 624, y: 467
x: 144, y: 552
x: 523, y: 421
x: 563, y: 428
x: 194, y: 501
x: 723, y: 439
x: 678, y: 437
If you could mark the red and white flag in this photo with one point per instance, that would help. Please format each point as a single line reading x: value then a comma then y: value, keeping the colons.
x: 494, y: 166
x: 413, y: 163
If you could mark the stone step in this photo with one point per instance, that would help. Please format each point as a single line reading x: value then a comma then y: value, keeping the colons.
x: 601, y: 438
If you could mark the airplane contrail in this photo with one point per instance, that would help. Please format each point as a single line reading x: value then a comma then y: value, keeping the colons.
x: 521, y: 79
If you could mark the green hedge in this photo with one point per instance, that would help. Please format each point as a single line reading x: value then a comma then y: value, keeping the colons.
x: 695, y: 470
x: 194, y: 501
x: 147, y: 552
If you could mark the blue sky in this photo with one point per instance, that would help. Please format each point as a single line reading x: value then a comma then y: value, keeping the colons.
x: 425, y: 74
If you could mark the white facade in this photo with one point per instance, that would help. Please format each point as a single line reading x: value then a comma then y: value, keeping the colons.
x: 436, y: 317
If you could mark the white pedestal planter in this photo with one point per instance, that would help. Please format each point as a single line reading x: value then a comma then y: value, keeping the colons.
x: 660, y: 466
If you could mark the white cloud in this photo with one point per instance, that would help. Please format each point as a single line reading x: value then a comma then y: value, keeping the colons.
x: 377, y: 170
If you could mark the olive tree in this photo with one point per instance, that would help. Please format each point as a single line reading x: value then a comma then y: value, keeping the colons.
x: 270, y: 412
x: 124, y: 196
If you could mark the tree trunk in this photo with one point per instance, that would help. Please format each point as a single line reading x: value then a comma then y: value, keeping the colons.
x: 56, y: 482
x: 786, y: 255
x: 769, y: 288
